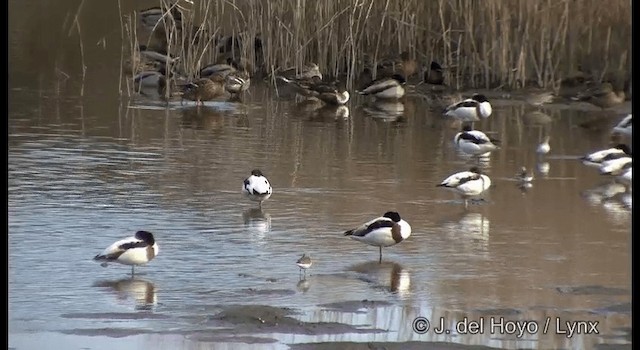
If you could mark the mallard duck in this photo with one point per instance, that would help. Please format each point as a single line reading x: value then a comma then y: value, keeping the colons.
x: 385, y: 88
x: 237, y: 82
x: 539, y: 98
x: 624, y: 126
x: 602, y: 95
x: 474, y: 142
x: 434, y: 75
x: 309, y: 71
x: 256, y: 187
x: 159, y: 55
x: 385, y: 231
x: 468, y: 184
x: 204, y: 89
x: 152, y: 15
x: 220, y: 68
x: 404, y: 65
x: 470, y: 109
x: 136, y: 250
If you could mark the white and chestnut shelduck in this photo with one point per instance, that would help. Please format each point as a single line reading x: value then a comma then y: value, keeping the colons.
x: 468, y: 184
x: 136, y: 250
x: 385, y: 231
x: 595, y: 159
x: 256, y: 187
x: 471, y: 109
x: 474, y: 142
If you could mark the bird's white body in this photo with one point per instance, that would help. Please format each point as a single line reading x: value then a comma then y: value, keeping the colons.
x: 544, y: 147
x: 595, y: 159
x: 626, y: 177
x: 382, y: 237
x: 257, y: 188
x: 467, y: 183
x: 616, y: 166
x: 624, y: 127
x: 469, y: 110
x: 474, y: 142
x: 129, y: 256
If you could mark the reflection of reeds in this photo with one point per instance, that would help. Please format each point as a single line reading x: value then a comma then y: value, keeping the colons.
x: 482, y: 44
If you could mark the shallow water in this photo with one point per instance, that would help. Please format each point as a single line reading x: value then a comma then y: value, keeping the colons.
x: 86, y: 171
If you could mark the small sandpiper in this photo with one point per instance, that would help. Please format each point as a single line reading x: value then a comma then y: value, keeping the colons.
x: 304, y: 263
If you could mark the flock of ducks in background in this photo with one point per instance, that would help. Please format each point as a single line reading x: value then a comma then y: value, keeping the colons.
x: 233, y: 77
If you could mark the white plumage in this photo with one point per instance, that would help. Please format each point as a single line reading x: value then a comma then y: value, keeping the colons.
x: 626, y: 177
x: 595, y: 159
x: 624, y: 127
x: 468, y: 184
x: 524, y: 176
x: 544, y: 147
x: 136, y: 250
x: 385, y: 231
x: 616, y: 166
x: 256, y: 187
x: 474, y: 142
x: 471, y: 109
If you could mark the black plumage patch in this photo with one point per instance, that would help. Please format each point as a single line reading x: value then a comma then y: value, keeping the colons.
x: 131, y: 245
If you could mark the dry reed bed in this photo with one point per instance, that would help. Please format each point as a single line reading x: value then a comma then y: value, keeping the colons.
x: 482, y: 44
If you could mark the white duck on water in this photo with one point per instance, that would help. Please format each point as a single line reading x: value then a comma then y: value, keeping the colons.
x: 136, y: 250
x: 475, y: 142
x: 468, y: 184
x: 471, y: 109
x: 595, y: 159
x: 385, y: 231
x: 256, y: 187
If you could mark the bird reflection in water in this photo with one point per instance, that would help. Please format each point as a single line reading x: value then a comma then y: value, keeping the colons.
x: 387, y: 275
x: 141, y: 291
x: 257, y: 221
x: 303, y: 285
x: 206, y: 118
x: 387, y: 111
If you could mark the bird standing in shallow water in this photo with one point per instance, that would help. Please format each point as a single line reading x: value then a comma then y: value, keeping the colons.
x: 304, y: 263
x: 256, y: 187
x: 385, y: 231
x: 204, y: 89
x: 136, y: 250
x: 475, y: 142
x: 470, y: 109
x: 385, y: 88
x: 468, y: 184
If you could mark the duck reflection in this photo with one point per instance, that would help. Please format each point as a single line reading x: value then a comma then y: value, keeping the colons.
x: 206, y: 118
x: 388, y: 111
x: 330, y: 113
x: 603, y: 192
x: 470, y: 230
x: 141, y: 291
x: 543, y: 168
x: 257, y: 221
x: 387, y: 275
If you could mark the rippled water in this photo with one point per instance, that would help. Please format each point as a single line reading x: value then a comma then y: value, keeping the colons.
x: 84, y: 172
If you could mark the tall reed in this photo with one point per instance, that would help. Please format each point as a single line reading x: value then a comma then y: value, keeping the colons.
x: 482, y: 44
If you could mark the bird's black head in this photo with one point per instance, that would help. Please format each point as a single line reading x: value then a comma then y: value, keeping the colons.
x: 475, y: 169
x: 399, y: 78
x: 480, y: 98
x: 256, y: 172
x: 624, y: 148
x: 146, y: 237
x: 436, y: 66
x: 394, y: 216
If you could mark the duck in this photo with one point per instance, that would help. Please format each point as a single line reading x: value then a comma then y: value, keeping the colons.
x: 151, y: 16
x: 602, y: 96
x: 304, y: 263
x: 596, y: 158
x: 136, y: 250
x: 626, y: 176
x: 309, y: 71
x: 523, y: 176
x: 204, y: 89
x: 402, y: 64
x: 385, y: 88
x: 616, y: 167
x: 385, y: 231
x: 256, y: 187
x: 237, y: 82
x: 329, y: 93
x: 539, y: 98
x: 624, y: 126
x: 222, y: 69
x: 474, y: 142
x: 147, y: 80
x: 544, y: 147
x: 434, y: 75
x: 468, y: 184
x: 470, y: 109
x: 159, y: 55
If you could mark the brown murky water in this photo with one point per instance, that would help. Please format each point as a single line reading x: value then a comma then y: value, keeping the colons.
x: 85, y: 171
